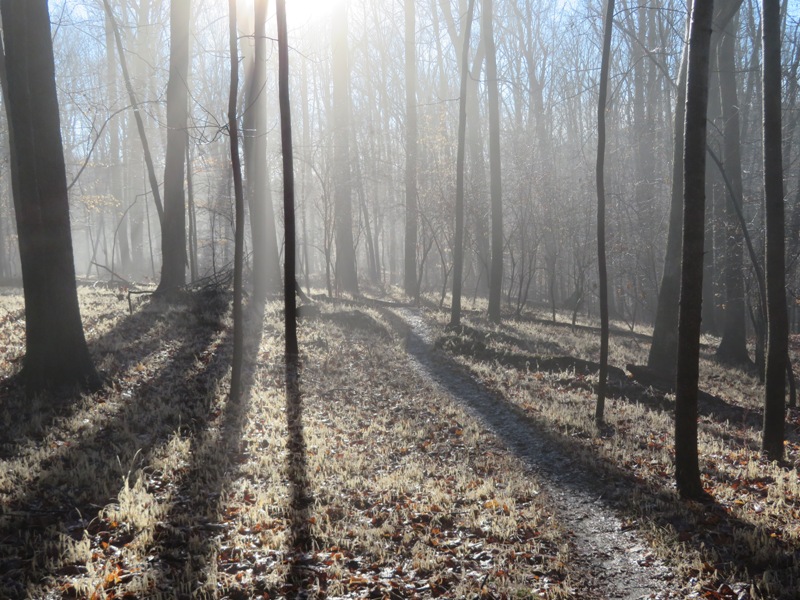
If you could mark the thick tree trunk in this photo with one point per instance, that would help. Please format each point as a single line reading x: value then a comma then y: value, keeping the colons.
x: 458, y: 251
x: 601, y: 211
x: 687, y: 468
x: 346, y: 276
x: 173, y: 225
x: 495, y: 185
x: 733, y: 347
x: 664, y: 348
x: 777, y: 321
x: 266, y: 265
x: 410, y: 261
x: 56, y: 354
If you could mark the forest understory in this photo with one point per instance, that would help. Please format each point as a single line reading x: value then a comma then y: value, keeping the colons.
x: 384, y: 483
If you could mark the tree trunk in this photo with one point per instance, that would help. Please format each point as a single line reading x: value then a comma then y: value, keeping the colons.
x: 664, y: 348
x: 238, y: 190
x: 266, y: 265
x: 495, y: 186
x: 687, y: 468
x: 410, y: 261
x: 56, y: 354
x: 346, y: 277
x: 173, y: 225
x: 601, y: 212
x: 733, y: 347
x: 458, y: 251
x: 777, y: 322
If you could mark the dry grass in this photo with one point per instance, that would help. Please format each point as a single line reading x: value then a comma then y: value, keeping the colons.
x: 157, y: 486
x: 746, y: 543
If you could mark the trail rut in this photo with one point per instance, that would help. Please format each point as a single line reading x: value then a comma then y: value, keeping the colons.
x: 615, y: 561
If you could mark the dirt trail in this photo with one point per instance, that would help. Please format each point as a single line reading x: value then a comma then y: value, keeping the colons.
x: 615, y: 561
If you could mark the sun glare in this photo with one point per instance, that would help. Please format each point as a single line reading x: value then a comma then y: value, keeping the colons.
x: 304, y: 12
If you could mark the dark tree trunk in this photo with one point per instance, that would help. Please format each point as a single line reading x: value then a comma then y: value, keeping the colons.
x: 733, y: 347
x: 410, y: 260
x: 289, y: 275
x: 173, y: 225
x: 777, y: 321
x: 601, y: 211
x: 687, y: 468
x: 56, y: 354
x: 664, y: 348
x: 238, y: 190
x: 346, y: 276
x: 458, y: 251
x: 495, y: 186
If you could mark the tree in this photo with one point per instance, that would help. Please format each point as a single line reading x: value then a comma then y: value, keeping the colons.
x: 173, y: 225
x: 601, y: 210
x: 664, y: 347
x: 238, y: 190
x: 410, y: 262
x: 346, y: 276
x: 266, y: 266
x: 56, y: 353
x: 777, y: 321
x: 733, y: 346
x: 495, y: 186
x: 458, y: 251
x: 687, y: 468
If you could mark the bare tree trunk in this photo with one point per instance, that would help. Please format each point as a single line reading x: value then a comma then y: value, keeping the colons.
x: 687, y: 468
x: 458, y: 251
x: 56, y: 354
x: 777, y: 321
x: 495, y: 185
x: 601, y: 212
x: 346, y: 276
x: 410, y: 261
x: 173, y: 223
x: 236, y: 167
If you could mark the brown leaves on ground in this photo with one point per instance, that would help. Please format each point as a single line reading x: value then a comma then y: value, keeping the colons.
x: 159, y: 486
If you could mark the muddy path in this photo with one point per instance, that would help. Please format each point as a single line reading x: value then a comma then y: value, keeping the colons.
x: 613, y: 558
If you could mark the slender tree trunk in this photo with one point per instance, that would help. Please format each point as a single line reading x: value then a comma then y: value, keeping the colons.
x: 777, y: 321
x: 56, y: 353
x: 601, y: 211
x: 236, y: 167
x: 458, y: 251
x: 495, y: 186
x: 687, y: 468
x: 664, y: 348
x: 410, y: 262
x: 173, y: 225
x: 346, y: 277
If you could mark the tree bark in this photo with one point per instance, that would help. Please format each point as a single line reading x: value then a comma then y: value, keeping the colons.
x: 458, y: 251
x: 777, y: 321
x: 495, y: 185
x: 410, y: 262
x: 346, y: 276
x: 56, y: 354
x: 601, y: 211
x: 173, y: 225
x: 687, y: 468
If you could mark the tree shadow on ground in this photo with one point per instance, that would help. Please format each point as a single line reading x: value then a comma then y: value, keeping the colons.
x: 566, y: 462
x: 138, y: 415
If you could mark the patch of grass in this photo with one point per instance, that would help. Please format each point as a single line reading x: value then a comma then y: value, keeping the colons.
x: 159, y: 486
x: 748, y: 539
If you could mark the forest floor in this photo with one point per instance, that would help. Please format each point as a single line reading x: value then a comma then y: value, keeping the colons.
x: 420, y: 463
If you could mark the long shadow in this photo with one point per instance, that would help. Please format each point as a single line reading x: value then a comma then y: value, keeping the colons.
x: 470, y: 343
x: 186, y: 537
x: 564, y: 462
x: 85, y: 474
